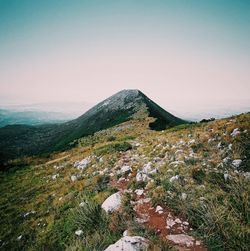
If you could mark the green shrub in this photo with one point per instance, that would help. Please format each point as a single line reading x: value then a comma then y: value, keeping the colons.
x: 102, y: 183
x: 198, y: 175
x: 111, y: 138
x: 216, y: 179
x: 223, y: 221
x: 111, y: 148
x: 90, y: 218
x: 133, y: 184
x: 197, y: 147
x: 191, y: 161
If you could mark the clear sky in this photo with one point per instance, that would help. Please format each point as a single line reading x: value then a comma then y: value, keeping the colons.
x: 180, y: 53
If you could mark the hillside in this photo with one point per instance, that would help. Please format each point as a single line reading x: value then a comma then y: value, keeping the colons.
x: 20, y: 140
x: 183, y: 188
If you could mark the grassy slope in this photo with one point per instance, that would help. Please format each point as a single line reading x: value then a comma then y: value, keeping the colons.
x: 217, y: 209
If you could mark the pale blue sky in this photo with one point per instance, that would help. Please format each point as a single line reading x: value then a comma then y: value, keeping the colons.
x: 185, y: 52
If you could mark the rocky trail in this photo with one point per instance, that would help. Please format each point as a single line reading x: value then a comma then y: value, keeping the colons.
x: 160, y: 219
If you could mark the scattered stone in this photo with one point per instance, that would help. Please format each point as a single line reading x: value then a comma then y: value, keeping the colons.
x: 181, y: 239
x: 29, y: 213
x: 78, y: 232
x: 112, y: 203
x: 235, y: 132
x: 177, y: 162
x: 125, y: 169
x: 129, y: 243
x: 82, y: 204
x: 170, y: 222
x: 159, y: 210
x: 183, y: 196
x: 73, y: 178
x: 178, y: 221
x: 55, y: 176
x: 176, y: 177
x: 197, y: 243
x: 185, y: 223
x: 19, y: 237
x: 226, y: 176
x: 139, y: 192
x: 140, y: 176
x: 192, y: 141
x: 236, y: 163
x: 82, y: 164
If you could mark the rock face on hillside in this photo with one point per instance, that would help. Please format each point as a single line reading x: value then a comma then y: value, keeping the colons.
x: 20, y: 140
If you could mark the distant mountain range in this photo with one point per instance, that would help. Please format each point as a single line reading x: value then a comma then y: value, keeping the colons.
x: 20, y: 140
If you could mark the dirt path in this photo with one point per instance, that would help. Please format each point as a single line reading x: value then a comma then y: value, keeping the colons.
x: 57, y: 160
x: 160, y: 219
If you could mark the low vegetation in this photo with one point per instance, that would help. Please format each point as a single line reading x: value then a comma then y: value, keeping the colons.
x: 47, y: 199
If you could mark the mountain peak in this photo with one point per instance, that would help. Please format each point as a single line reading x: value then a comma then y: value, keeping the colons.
x: 123, y: 106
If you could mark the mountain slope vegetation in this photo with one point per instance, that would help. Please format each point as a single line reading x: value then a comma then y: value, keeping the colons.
x: 20, y: 140
x: 195, y: 175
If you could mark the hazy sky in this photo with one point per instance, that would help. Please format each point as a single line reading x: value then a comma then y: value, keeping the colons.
x: 180, y: 53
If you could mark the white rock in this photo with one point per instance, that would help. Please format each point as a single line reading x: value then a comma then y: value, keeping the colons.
x: 19, y: 237
x: 192, y: 141
x: 82, y: 163
x: 230, y: 146
x: 140, y: 176
x: 125, y: 233
x: 219, y: 145
x: 185, y: 223
x: 176, y: 177
x: 226, y: 176
x: 235, y: 132
x: 197, y: 243
x: 181, y: 239
x: 147, y: 168
x: 139, y: 192
x: 183, y: 196
x: 236, y: 163
x: 170, y: 222
x: 73, y: 178
x: 226, y: 160
x: 159, y: 209
x: 125, y: 169
x: 55, y: 176
x: 78, y: 232
x: 177, y: 162
x: 178, y: 221
x: 112, y: 203
x: 82, y: 204
x: 129, y: 243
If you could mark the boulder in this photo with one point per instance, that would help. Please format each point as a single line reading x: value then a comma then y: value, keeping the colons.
x: 82, y: 163
x: 129, y: 243
x: 112, y: 203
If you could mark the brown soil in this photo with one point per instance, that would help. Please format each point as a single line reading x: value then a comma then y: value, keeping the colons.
x: 148, y: 216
